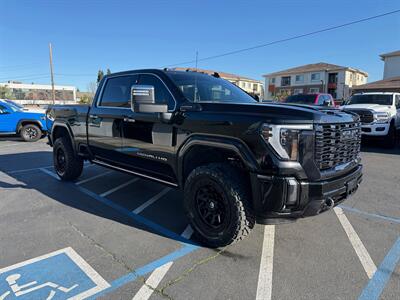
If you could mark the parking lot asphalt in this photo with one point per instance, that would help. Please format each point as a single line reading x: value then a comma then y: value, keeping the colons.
x: 113, y: 236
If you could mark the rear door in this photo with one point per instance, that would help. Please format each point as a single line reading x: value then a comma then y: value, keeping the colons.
x: 8, y: 123
x: 106, y: 117
x: 148, y: 143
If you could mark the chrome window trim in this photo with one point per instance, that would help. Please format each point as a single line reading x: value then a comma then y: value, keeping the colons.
x: 115, y: 107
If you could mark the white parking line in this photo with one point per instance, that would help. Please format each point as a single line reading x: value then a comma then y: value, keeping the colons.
x: 92, y: 178
x: 158, y: 274
x: 86, y: 165
x: 362, y: 253
x: 151, y: 201
x: 119, y: 187
x: 27, y: 170
x: 264, y: 286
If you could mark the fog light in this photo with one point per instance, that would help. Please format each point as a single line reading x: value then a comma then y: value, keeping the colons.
x: 292, y: 192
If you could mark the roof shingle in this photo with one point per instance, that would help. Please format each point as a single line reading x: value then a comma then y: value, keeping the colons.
x: 321, y: 66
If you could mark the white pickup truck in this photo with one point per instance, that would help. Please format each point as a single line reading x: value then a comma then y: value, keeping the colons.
x: 379, y: 113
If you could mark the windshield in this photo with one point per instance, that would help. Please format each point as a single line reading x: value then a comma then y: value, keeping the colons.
x: 201, y: 87
x: 14, y: 106
x: 302, y: 99
x: 371, y: 99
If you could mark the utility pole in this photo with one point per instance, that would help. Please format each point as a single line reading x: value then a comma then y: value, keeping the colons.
x: 51, y: 74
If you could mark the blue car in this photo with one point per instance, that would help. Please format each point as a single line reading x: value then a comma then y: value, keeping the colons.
x: 14, y: 120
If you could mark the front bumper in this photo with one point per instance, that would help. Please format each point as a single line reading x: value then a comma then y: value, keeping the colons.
x: 375, y: 129
x: 282, y: 199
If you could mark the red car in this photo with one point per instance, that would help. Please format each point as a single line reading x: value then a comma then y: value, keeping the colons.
x: 312, y: 99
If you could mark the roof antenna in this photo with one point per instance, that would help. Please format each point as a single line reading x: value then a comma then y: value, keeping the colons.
x: 195, y: 78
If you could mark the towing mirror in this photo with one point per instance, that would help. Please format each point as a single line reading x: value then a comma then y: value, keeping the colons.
x: 143, y: 100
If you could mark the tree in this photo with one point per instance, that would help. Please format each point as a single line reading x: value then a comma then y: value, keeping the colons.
x: 85, y: 99
x: 108, y: 71
x: 92, y: 87
x: 5, y: 92
x: 100, y: 75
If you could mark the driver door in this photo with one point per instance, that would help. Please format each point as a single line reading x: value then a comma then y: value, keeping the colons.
x: 7, y: 124
x: 147, y: 141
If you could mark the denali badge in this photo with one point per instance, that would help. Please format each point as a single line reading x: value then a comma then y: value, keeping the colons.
x: 348, y: 134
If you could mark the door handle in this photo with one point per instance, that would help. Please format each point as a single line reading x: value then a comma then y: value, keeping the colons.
x: 127, y: 119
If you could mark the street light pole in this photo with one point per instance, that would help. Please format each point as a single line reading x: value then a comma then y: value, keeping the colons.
x: 51, y: 73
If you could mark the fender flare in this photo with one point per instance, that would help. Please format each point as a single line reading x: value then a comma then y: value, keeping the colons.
x: 70, y: 134
x: 32, y: 121
x: 219, y: 142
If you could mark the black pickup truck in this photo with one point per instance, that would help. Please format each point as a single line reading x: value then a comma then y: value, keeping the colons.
x: 237, y: 161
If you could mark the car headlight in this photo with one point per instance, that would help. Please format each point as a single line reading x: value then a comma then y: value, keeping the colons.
x: 381, y: 117
x: 284, y: 139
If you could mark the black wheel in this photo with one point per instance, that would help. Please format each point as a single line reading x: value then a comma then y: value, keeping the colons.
x: 390, y: 139
x: 31, y: 133
x: 216, y: 202
x: 68, y: 166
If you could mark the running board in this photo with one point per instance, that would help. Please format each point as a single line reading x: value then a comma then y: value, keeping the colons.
x: 101, y: 163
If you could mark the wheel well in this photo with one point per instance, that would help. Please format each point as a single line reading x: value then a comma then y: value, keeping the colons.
x: 27, y: 122
x: 60, y: 131
x: 203, y: 155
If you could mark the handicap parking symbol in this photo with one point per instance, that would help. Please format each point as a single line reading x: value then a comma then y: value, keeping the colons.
x: 62, y: 274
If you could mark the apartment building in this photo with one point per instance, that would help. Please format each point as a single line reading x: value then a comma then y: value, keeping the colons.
x: 251, y: 86
x: 391, y: 76
x: 392, y: 64
x: 313, y: 78
x: 32, y: 93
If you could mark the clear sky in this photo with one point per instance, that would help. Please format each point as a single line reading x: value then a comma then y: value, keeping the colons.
x: 122, y: 34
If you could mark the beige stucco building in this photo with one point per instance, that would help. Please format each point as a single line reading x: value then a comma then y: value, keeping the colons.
x: 314, y: 78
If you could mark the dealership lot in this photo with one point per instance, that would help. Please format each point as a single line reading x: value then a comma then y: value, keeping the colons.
x: 106, y: 234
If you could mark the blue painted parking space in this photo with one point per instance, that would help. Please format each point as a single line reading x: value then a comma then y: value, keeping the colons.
x: 62, y: 274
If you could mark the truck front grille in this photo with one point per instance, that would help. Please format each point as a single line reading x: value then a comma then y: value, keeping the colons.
x: 366, y: 116
x: 336, y: 144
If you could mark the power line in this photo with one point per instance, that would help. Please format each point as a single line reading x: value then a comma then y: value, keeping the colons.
x: 19, y: 66
x: 289, y: 38
x: 23, y: 77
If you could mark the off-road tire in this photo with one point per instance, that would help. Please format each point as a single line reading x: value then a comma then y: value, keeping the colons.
x: 31, y: 133
x: 72, y: 167
x: 229, y: 182
x: 390, y: 139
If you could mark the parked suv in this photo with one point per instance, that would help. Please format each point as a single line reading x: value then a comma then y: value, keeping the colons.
x: 311, y: 99
x: 236, y: 160
x: 379, y: 114
x: 30, y: 126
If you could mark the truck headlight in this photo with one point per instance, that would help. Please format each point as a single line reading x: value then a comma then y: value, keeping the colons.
x: 284, y: 139
x: 381, y: 117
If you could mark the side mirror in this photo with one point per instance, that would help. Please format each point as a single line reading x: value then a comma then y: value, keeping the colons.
x: 143, y: 100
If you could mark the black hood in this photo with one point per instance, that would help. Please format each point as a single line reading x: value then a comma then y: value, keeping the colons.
x: 283, y: 113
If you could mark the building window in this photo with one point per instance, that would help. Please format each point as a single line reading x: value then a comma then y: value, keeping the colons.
x: 243, y: 84
x: 314, y: 90
x: 272, y: 80
x: 298, y: 91
x: 315, y: 76
x: 299, y: 78
x: 285, y: 81
x: 255, y: 87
